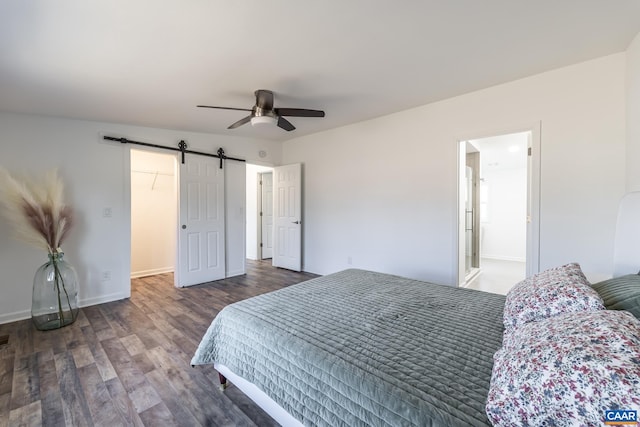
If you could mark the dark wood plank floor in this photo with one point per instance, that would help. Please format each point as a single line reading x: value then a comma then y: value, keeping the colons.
x: 127, y: 362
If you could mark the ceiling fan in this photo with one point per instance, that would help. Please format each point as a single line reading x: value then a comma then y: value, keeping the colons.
x: 264, y: 113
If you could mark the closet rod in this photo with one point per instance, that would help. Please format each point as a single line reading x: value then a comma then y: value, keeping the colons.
x: 152, y: 172
x: 182, y: 148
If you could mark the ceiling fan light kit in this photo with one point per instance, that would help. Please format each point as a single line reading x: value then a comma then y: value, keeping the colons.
x: 262, y: 120
x: 264, y: 113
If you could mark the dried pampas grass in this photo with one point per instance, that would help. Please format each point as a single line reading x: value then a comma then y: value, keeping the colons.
x: 36, y: 209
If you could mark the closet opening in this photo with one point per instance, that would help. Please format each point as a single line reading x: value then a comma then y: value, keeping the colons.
x: 154, y: 201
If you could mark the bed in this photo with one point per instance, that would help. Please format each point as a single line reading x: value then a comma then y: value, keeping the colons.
x: 360, y: 348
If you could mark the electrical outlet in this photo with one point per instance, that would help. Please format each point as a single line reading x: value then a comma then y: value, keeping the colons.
x: 106, y: 276
x: 107, y: 213
x: 349, y: 260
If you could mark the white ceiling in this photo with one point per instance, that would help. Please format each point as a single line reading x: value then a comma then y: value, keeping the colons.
x: 150, y: 62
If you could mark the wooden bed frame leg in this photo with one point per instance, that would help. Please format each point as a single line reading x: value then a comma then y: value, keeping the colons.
x: 223, y: 381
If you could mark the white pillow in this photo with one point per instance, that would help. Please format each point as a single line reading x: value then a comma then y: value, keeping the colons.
x: 550, y: 293
x: 566, y: 370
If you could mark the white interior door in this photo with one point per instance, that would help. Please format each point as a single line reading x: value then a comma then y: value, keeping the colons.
x: 267, y: 215
x: 202, y: 223
x: 287, y: 203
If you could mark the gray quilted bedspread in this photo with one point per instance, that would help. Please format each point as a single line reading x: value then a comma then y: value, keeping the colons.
x: 358, y: 348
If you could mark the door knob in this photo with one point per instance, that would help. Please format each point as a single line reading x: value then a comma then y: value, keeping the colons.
x: 184, y: 227
x: 296, y: 222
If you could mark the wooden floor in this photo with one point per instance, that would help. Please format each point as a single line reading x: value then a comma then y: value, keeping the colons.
x: 127, y: 362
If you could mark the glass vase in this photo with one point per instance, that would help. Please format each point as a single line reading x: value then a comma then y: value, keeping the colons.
x: 55, y: 294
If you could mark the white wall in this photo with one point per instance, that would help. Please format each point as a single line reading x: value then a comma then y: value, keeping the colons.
x: 153, y: 213
x: 252, y: 208
x: 503, y: 170
x: 633, y: 115
x: 384, y: 192
x: 96, y: 174
x: 504, y: 234
x: 235, y: 217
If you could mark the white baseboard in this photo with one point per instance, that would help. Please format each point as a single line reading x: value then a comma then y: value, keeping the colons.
x: 26, y: 314
x: 15, y: 316
x: 151, y: 272
x: 235, y: 273
x: 103, y: 298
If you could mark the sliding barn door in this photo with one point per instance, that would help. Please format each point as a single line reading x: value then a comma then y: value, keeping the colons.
x: 287, y: 205
x: 202, y: 222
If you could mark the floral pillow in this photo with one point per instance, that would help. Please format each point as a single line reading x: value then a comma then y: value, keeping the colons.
x: 566, y: 371
x: 550, y: 293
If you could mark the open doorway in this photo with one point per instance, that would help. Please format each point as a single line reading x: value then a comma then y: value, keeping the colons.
x: 274, y: 215
x: 153, y: 213
x: 259, y: 212
x: 497, y: 211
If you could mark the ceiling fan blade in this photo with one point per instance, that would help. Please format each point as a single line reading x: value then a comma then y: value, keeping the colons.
x: 223, y: 108
x: 241, y: 122
x: 299, y: 112
x: 264, y: 99
x: 285, y: 124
